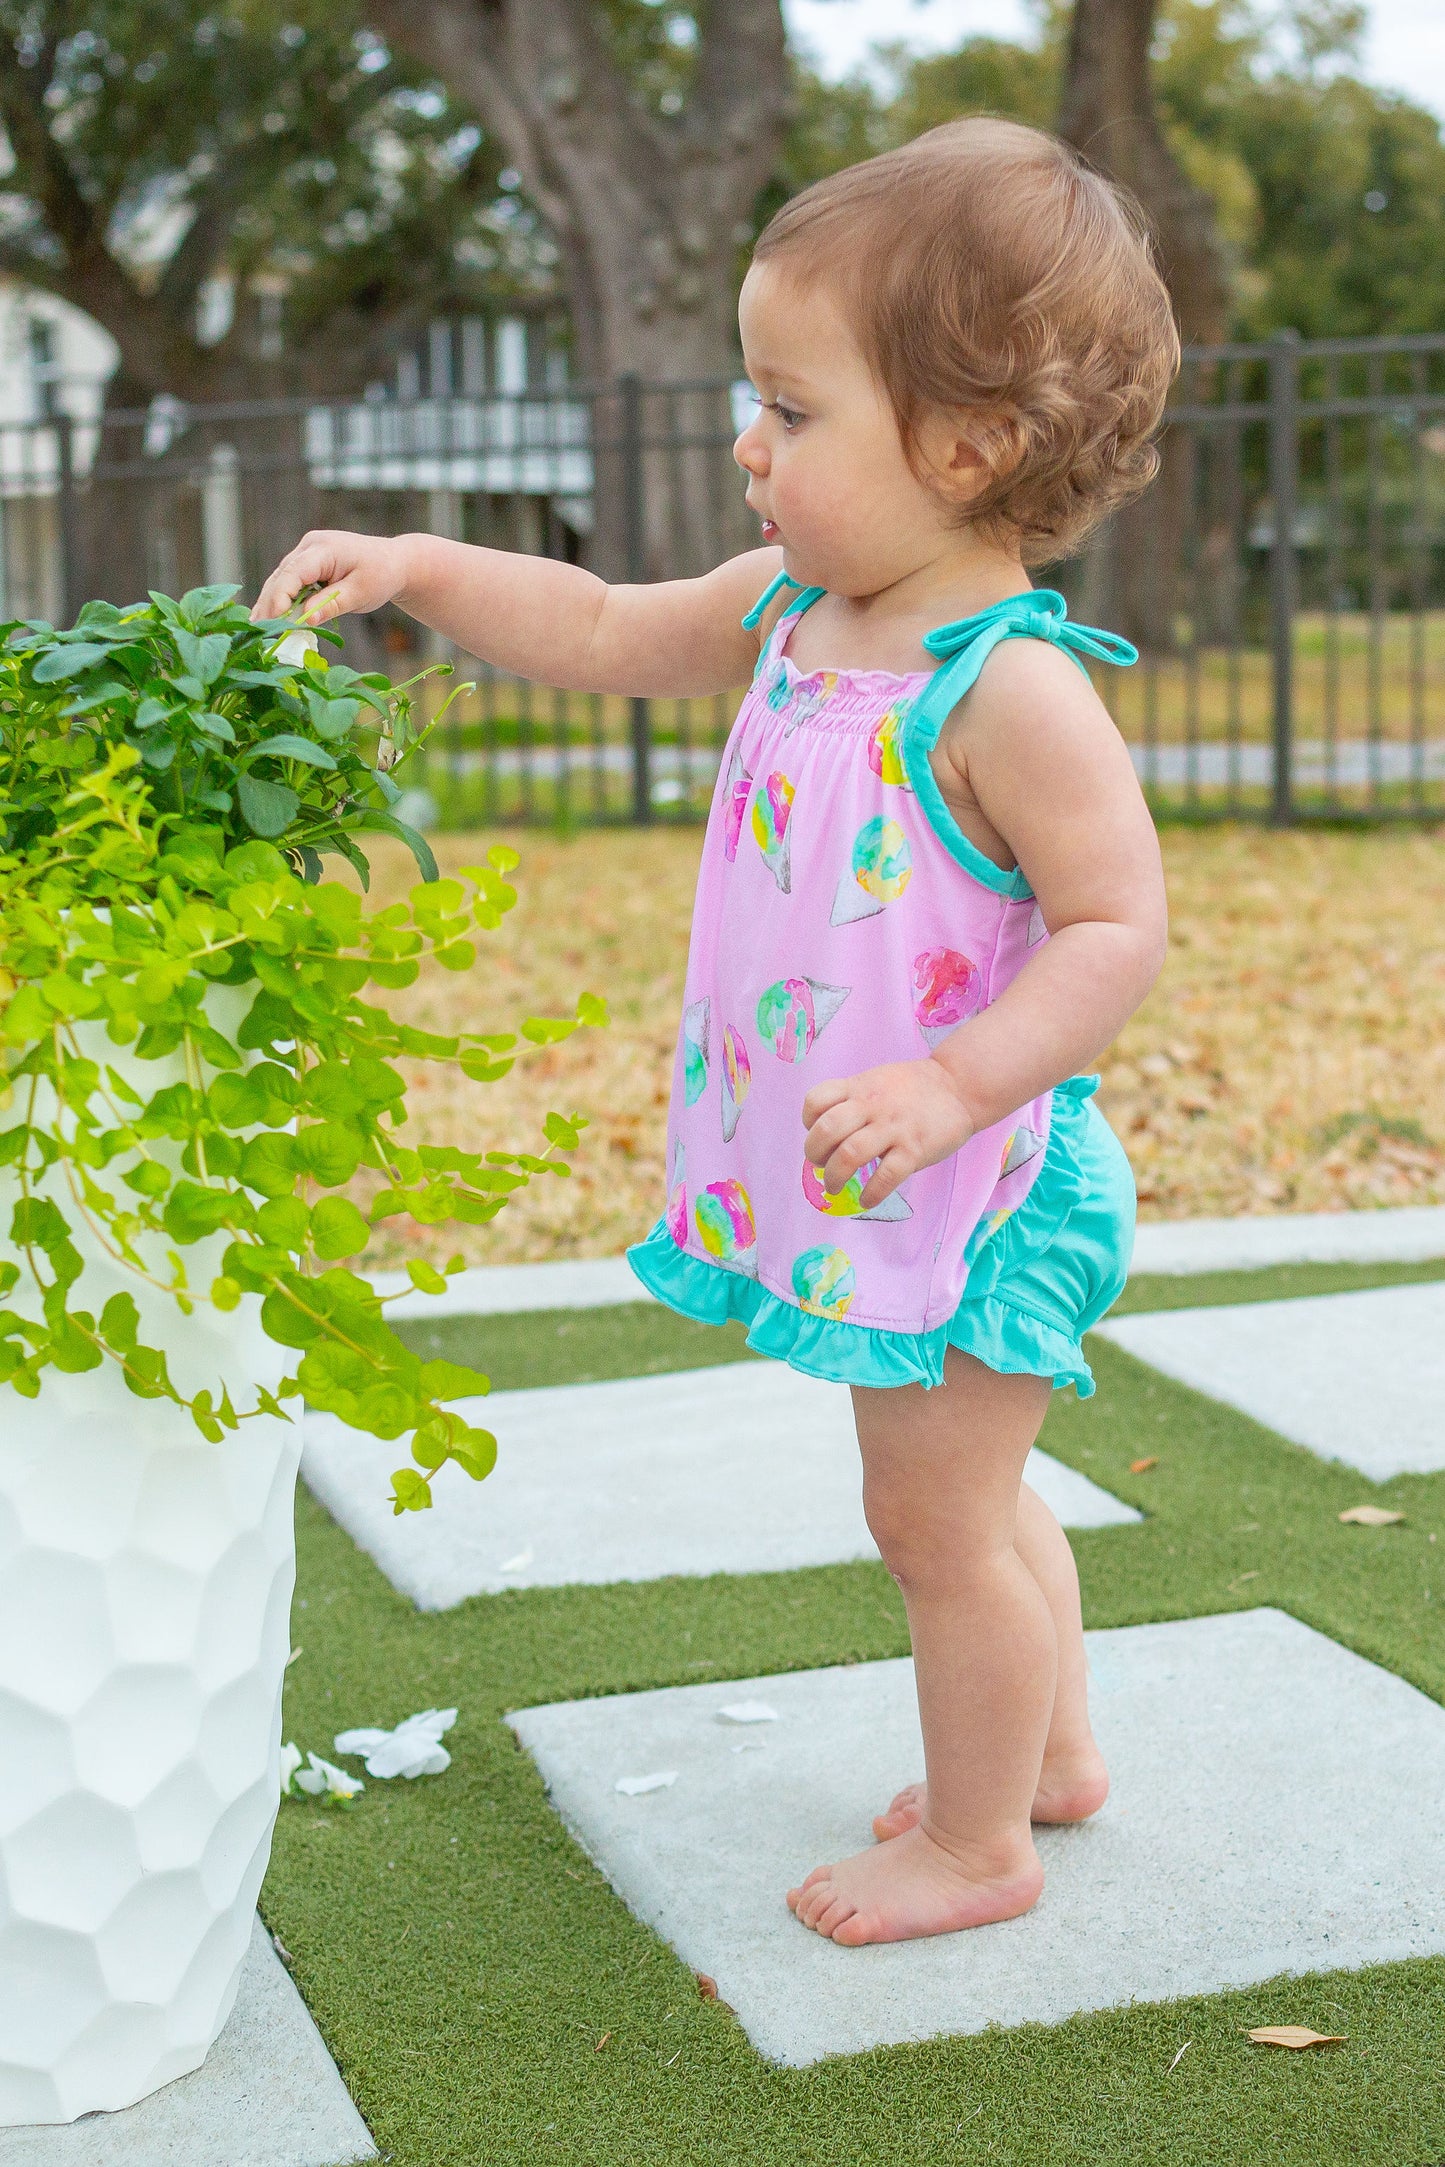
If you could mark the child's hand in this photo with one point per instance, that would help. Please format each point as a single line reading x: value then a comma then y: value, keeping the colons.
x: 354, y: 572
x: 906, y: 1114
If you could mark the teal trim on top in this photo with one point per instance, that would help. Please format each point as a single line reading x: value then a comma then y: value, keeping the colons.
x: 804, y: 599
x: 963, y: 647
x: 967, y: 853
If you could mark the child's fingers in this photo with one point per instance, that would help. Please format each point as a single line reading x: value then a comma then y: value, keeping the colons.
x: 894, y: 1167
x: 823, y: 1096
x: 868, y: 1142
x: 830, y: 1129
x: 309, y: 564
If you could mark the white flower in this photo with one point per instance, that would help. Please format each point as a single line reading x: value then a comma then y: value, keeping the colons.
x: 295, y: 646
x: 414, y: 1748
x: 291, y: 1759
x: 321, y: 1778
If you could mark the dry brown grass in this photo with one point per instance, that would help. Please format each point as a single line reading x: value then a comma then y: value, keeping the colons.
x: 1291, y: 1058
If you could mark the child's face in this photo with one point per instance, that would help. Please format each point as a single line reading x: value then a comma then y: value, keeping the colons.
x: 827, y: 471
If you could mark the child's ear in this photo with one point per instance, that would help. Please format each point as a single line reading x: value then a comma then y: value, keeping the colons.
x: 966, y: 453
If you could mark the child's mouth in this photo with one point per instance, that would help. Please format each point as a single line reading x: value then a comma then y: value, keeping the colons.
x: 770, y: 530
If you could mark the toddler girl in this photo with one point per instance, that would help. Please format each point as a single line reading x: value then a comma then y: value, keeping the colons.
x: 930, y: 895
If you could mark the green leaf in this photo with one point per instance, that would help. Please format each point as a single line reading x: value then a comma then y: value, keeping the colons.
x: 69, y: 661
x: 202, y: 602
x: 225, y: 1293
x: 475, y: 1452
x: 592, y: 1009
x: 120, y: 1321
x: 270, y: 1164
x: 385, y: 1409
x: 203, y: 658
x: 410, y: 1492
x: 560, y: 1132
x: 193, y: 1211
x: 418, y: 845
x: 289, y: 747
x: 425, y: 1277
x: 452, y: 1380
x: 329, y: 1150
x: 267, y: 808
x: 284, y: 1221
x: 338, y: 1229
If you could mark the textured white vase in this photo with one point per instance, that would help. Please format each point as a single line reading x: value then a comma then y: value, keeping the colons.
x: 145, y: 1593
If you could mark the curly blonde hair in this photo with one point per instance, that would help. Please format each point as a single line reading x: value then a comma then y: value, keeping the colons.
x: 988, y: 269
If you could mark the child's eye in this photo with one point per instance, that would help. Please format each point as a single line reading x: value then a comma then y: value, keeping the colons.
x: 787, y: 415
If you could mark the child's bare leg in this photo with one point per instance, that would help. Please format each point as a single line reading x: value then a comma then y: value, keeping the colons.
x: 941, y: 1475
x: 1074, y: 1782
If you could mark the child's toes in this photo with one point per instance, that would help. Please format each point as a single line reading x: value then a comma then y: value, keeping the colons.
x: 815, y: 1896
x: 905, y: 1812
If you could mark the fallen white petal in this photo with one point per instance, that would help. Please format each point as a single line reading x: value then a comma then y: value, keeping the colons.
x: 636, y: 1786
x: 291, y: 1759
x: 749, y: 1745
x: 359, y: 1741
x: 518, y: 1564
x: 414, y: 1748
x: 321, y: 1776
x: 748, y: 1711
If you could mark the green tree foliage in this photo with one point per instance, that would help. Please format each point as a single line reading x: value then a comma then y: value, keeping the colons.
x: 1330, y: 193
x: 157, y: 144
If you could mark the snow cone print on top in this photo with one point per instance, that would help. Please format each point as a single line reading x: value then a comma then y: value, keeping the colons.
x: 842, y: 921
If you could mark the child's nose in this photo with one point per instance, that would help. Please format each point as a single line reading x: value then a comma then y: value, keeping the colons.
x: 751, y: 451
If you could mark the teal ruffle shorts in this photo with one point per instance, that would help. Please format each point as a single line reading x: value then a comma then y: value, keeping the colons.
x: 1058, y: 1264
x: 1037, y: 1282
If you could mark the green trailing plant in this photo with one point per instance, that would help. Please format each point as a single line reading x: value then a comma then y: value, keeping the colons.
x: 172, y: 777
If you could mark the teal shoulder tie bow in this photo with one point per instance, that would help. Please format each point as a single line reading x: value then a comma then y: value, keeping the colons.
x: 962, y: 648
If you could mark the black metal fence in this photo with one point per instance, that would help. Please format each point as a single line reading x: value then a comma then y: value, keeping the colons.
x: 1284, y: 578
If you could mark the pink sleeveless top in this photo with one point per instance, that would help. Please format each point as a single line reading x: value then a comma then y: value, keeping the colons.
x: 842, y: 920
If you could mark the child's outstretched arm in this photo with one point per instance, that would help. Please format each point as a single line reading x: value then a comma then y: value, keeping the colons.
x: 1035, y: 750
x: 543, y: 620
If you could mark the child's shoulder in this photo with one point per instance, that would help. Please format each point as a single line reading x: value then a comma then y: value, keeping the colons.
x: 1032, y: 728
x: 1028, y: 686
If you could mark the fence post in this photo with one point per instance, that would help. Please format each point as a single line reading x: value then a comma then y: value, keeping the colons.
x: 634, y: 534
x: 1283, y: 569
x: 69, y: 523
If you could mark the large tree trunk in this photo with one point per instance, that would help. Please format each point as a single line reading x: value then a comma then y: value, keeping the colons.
x: 1108, y: 112
x: 647, y: 213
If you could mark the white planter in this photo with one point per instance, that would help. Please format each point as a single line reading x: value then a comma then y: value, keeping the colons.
x: 145, y: 1592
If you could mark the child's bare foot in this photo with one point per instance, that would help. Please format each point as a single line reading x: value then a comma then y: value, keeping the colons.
x: 1070, y: 1789
x: 903, y: 1890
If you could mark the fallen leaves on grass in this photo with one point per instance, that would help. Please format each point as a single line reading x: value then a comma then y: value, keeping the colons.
x: 602, y: 2042
x: 706, y: 1986
x: 1142, y: 1467
x: 1371, y: 1516
x: 1295, y: 2036
x: 1179, y: 2057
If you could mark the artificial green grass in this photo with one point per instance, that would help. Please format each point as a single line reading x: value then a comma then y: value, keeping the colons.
x: 641, y: 1339
x: 465, y: 1960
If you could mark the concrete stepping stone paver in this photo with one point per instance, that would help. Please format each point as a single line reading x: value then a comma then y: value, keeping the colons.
x: 1405, y: 1234
x: 502, y: 1290
x: 1355, y: 1377
x: 748, y: 1467
x: 1265, y: 1818
x: 267, y: 2095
